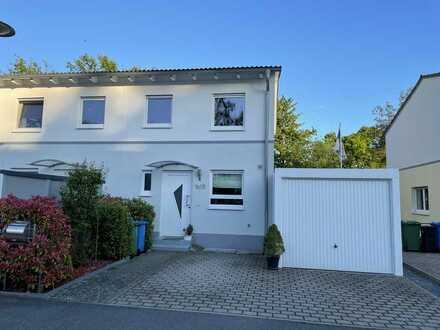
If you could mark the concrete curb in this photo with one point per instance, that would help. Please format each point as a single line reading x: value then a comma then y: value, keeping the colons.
x: 47, y: 295
x: 422, y: 273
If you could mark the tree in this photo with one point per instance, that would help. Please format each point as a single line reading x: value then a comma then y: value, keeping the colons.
x: 323, y: 154
x: 22, y: 66
x: 384, y: 114
x: 87, y: 63
x: 293, y: 144
x: 363, y: 148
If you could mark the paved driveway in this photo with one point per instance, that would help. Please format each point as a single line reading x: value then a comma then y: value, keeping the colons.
x: 240, y: 284
x: 426, y: 263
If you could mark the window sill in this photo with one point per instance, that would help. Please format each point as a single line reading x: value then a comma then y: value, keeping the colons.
x: 157, y: 126
x: 420, y: 212
x: 26, y: 130
x: 91, y: 126
x: 145, y: 194
x: 227, y: 128
x: 226, y: 207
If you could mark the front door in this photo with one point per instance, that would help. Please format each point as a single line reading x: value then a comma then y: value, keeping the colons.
x: 176, y: 203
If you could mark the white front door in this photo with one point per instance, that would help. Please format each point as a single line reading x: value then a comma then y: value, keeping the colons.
x: 176, y: 203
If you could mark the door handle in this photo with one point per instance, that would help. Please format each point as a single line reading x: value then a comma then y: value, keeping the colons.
x: 188, y: 201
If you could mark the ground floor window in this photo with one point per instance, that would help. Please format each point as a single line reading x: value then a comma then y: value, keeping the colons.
x: 146, y: 183
x: 420, y: 199
x: 226, y: 190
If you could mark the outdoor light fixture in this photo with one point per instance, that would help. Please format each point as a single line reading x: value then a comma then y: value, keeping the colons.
x: 6, y: 30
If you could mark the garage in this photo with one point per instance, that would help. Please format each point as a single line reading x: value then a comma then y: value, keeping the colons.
x: 338, y: 219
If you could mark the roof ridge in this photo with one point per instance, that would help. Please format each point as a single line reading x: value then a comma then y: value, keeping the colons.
x: 152, y: 70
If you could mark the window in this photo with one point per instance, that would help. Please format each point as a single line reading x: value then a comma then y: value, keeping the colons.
x: 146, y: 183
x: 420, y: 196
x: 226, y: 190
x: 30, y: 114
x: 159, y: 109
x: 229, y: 111
x: 92, y: 112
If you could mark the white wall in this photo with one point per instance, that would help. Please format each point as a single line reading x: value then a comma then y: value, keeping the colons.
x: 124, y: 164
x: 192, y: 115
x: 414, y: 137
x: 124, y: 147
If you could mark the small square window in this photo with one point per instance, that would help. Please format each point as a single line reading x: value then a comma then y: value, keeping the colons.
x: 31, y: 114
x: 92, y: 112
x: 229, y: 111
x: 420, y: 200
x: 226, y: 190
x: 159, y: 110
x: 146, y: 183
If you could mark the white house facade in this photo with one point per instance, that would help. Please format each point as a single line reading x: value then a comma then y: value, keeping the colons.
x: 412, y: 146
x: 196, y: 143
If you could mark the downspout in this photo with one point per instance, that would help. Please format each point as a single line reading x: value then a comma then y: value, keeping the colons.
x: 266, y: 151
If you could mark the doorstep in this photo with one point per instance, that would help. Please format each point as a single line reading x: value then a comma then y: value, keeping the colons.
x: 171, y: 244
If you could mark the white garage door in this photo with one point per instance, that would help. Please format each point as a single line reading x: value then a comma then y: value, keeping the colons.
x: 332, y: 220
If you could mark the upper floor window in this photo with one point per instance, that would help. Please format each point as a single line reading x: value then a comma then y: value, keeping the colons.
x: 159, y: 110
x: 229, y: 111
x: 30, y: 114
x: 92, y: 112
x: 420, y: 200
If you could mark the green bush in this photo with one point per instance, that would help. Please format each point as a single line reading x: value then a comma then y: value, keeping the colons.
x: 79, y: 198
x: 141, y: 210
x: 273, y: 242
x: 114, y: 230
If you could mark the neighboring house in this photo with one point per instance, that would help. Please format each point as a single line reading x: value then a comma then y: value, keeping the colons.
x: 196, y: 143
x: 413, y: 146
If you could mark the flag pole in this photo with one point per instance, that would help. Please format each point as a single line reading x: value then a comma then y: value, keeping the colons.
x: 340, y: 146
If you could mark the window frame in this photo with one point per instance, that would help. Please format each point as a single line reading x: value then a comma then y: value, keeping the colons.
x: 81, y: 113
x: 158, y: 125
x: 20, y: 102
x: 146, y: 193
x: 228, y: 128
x: 215, y: 196
x: 425, y: 202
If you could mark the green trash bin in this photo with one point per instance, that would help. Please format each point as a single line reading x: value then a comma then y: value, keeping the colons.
x: 411, y: 235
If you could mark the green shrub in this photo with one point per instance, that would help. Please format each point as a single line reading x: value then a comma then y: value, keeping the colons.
x: 273, y: 242
x: 141, y: 210
x: 79, y: 198
x: 115, y: 229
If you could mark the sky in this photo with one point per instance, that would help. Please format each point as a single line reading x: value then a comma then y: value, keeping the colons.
x: 339, y: 58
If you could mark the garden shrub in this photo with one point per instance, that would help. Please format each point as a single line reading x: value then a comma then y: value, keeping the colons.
x: 79, y: 197
x: 115, y: 229
x: 47, y: 255
x: 273, y: 242
x: 141, y: 210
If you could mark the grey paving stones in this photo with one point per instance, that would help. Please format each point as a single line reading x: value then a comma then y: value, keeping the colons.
x: 240, y: 285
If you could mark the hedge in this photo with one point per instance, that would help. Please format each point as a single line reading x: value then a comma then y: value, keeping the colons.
x: 114, y: 230
x: 79, y: 197
x: 45, y: 260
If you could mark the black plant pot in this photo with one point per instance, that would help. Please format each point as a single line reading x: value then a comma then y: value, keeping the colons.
x: 272, y: 262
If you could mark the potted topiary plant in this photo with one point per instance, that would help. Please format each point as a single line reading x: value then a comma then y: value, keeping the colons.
x: 188, y: 232
x: 273, y: 247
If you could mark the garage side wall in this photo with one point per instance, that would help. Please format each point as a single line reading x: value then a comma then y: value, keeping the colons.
x: 346, y: 220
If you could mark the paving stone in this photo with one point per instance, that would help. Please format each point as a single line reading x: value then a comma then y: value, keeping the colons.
x: 240, y: 284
